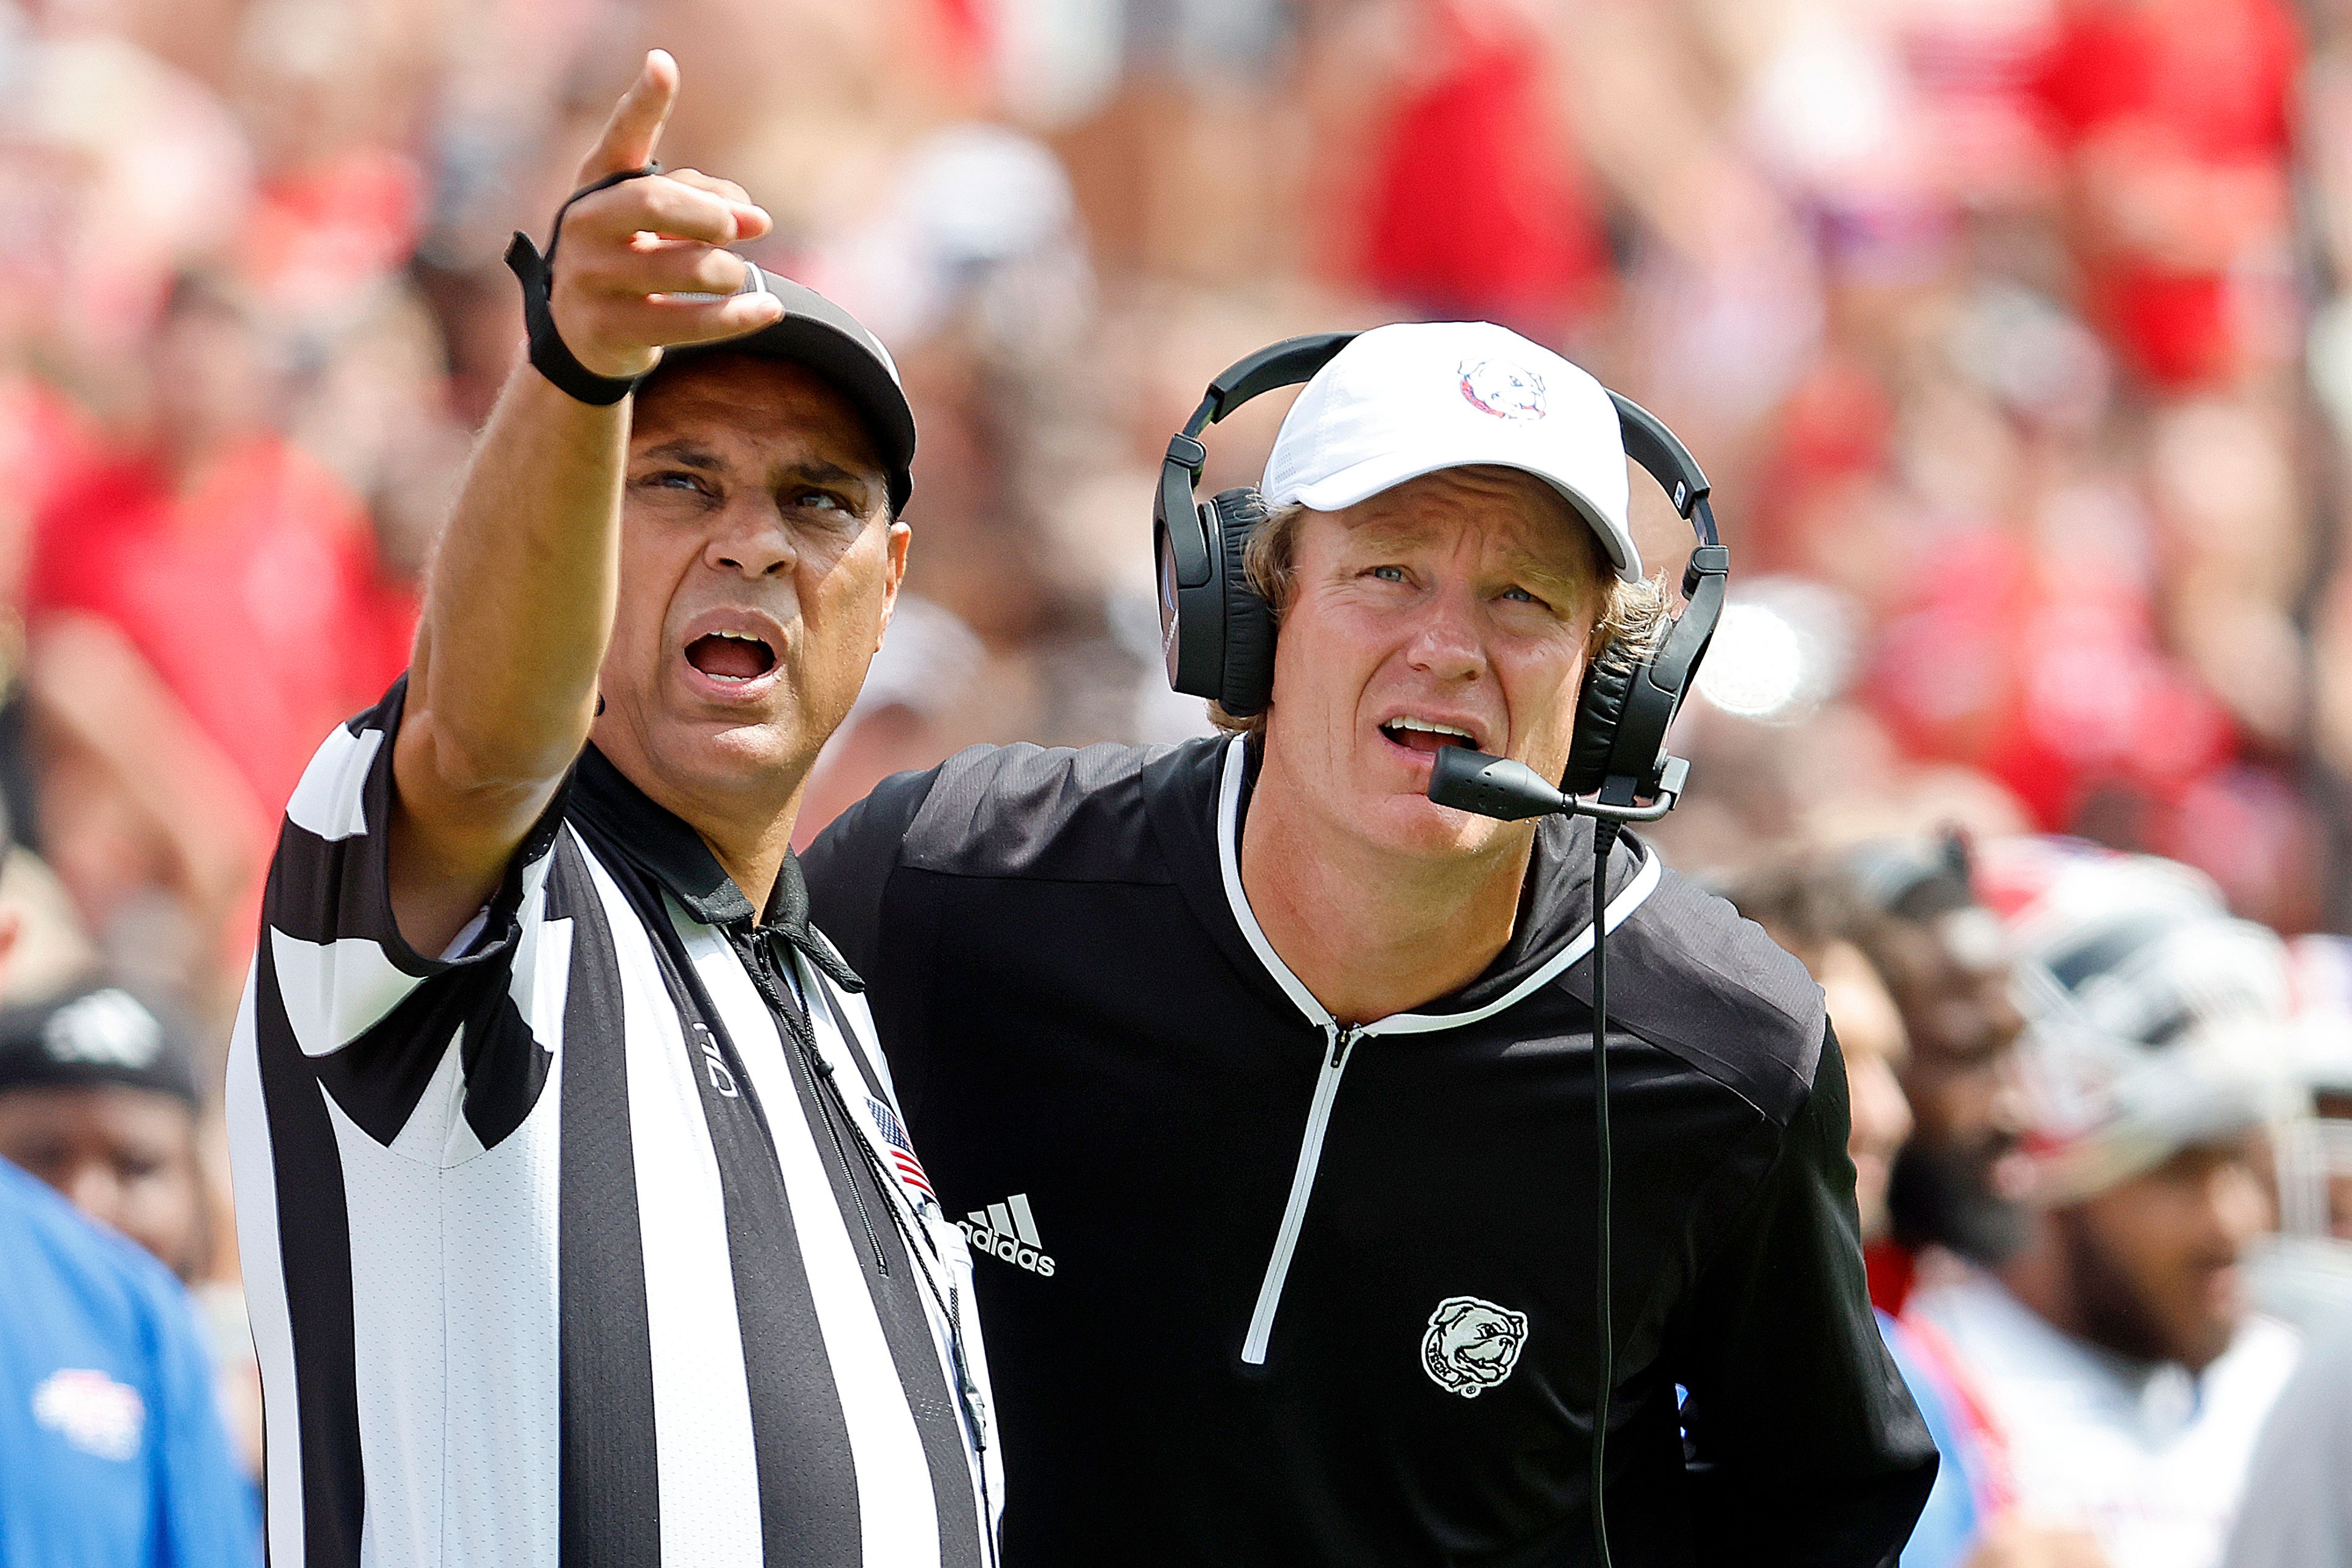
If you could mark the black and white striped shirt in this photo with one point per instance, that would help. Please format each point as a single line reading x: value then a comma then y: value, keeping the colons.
x: 596, y: 1240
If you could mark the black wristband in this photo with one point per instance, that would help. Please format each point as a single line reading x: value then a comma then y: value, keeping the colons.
x: 549, y: 354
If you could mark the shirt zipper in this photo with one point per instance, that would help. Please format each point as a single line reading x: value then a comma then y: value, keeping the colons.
x: 1339, y: 1044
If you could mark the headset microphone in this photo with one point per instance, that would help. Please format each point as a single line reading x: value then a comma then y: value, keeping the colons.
x: 1513, y: 792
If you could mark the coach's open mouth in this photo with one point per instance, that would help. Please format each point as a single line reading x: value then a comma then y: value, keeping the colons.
x: 1429, y: 735
x: 731, y: 656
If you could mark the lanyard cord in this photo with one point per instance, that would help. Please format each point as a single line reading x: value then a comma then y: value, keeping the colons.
x: 917, y: 1244
x: 949, y: 1302
x: 756, y: 948
x: 753, y: 947
x: 1604, y: 837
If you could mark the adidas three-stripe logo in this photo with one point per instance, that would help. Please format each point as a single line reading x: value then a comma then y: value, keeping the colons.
x: 1009, y: 1231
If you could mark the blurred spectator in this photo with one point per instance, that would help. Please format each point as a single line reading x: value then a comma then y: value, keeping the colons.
x: 1478, y: 208
x: 97, y: 1100
x: 2115, y: 1344
x: 201, y: 610
x: 1944, y: 959
x: 1816, y: 913
x: 2173, y: 117
x: 122, y: 171
x: 111, y: 1447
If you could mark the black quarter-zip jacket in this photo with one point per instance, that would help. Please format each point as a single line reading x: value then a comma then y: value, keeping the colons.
x: 1262, y: 1288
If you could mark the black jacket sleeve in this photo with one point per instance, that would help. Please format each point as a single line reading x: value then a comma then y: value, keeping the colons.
x: 848, y: 868
x: 1803, y: 1445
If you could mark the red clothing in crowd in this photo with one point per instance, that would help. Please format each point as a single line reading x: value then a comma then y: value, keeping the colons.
x: 2046, y: 676
x: 46, y: 440
x: 253, y: 592
x: 2178, y: 116
x: 1892, y: 1269
x: 319, y: 234
x: 1479, y: 209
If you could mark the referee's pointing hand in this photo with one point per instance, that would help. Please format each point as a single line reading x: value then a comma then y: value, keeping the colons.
x: 631, y: 249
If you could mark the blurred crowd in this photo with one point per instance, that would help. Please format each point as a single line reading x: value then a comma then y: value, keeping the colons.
x: 2102, y: 1133
x: 2015, y: 336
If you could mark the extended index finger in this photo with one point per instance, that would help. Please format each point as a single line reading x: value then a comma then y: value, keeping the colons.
x: 638, y: 119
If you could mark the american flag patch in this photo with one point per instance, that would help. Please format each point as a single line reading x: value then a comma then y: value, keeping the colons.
x: 902, y: 1153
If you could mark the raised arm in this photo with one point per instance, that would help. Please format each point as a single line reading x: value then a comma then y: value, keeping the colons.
x: 520, y: 597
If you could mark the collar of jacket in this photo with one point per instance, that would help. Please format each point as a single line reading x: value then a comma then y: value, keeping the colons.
x: 1181, y: 790
x: 660, y: 844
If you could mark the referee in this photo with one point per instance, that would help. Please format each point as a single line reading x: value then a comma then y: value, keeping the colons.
x: 1264, y: 1086
x: 578, y: 1221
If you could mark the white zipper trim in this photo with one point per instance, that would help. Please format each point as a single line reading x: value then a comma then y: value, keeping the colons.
x: 1336, y: 1048
x: 1339, y: 1044
x: 1229, y: 862
x: 1229, y: 805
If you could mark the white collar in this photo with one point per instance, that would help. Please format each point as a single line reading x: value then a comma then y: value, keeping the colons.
x: 1229, y: 805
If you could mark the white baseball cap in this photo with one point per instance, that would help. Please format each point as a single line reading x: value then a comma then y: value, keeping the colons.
x: 1407, y: 400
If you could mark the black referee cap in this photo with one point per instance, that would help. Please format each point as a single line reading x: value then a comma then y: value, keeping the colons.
x: 820, y: 334
x: 101, y: 1035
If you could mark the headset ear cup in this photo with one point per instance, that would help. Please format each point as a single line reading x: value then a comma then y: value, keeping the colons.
x: 1600, y: 710
x: 1248, y: 680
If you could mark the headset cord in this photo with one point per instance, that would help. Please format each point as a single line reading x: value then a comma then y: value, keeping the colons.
x: 1605, y: 839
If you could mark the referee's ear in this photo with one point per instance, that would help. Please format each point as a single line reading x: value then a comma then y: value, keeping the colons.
x: 894, y: 572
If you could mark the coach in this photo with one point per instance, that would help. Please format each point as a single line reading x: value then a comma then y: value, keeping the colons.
x: 577, y: 1218
x: 1264, y: 1086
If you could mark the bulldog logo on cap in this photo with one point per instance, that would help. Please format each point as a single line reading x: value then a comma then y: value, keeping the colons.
x: 1504, y: 390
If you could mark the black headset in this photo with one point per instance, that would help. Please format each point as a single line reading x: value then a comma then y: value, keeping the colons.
x: 1218, y: 632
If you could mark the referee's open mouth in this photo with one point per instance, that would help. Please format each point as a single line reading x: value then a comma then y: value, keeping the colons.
x: 733, y: 655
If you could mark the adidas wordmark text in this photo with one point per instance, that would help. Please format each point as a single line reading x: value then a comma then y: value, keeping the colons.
x: 1009, y: 1231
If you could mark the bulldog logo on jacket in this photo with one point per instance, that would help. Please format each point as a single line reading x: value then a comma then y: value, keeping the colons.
x: 1472, y: 1344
